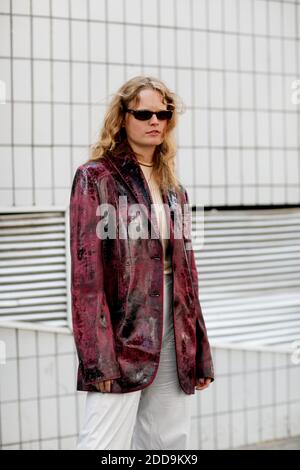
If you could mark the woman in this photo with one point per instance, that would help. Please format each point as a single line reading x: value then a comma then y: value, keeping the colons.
x: 138, y: 327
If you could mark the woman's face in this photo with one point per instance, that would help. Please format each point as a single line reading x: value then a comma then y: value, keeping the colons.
x: 138, y: 131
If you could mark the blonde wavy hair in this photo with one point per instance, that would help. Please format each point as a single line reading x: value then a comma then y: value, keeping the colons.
x: 113, y: 134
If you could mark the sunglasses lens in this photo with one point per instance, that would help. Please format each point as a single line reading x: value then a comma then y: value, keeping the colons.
x: 145, y: 115
x: 162, y: 115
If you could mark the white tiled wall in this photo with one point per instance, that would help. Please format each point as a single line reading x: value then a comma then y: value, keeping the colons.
x: 232, y: 62
x: 40, y: 407
x: 255, y: 396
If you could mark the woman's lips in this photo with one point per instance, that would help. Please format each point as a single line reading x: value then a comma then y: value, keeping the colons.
x: 153, y: 133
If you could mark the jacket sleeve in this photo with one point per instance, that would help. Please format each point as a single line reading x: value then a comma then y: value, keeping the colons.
x: 204, y: 361
x: 92, y: 328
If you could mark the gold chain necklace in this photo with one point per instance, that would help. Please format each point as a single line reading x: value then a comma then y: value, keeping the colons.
x: 150, y: 176
x: 145, y: 164
x: 149, y: 166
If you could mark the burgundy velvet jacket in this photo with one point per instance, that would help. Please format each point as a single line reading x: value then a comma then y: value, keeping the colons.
x: 117, y: 282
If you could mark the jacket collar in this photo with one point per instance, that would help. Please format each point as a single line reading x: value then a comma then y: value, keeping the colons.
x: 123, y: 160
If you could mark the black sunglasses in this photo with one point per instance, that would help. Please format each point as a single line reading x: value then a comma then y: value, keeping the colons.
x: 145, y: 114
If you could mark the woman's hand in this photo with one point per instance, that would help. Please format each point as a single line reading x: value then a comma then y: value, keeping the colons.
x: 104, y: 386
x: 201, y: 384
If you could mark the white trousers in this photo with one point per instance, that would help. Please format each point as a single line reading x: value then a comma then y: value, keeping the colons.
x: 157, y: 417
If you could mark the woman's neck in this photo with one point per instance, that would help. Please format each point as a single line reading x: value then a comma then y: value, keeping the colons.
x: 145, y: 154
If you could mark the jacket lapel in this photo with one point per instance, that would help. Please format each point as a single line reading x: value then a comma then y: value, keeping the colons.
x: 124, y: 162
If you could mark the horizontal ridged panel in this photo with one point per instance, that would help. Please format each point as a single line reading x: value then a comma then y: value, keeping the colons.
x: 249, y: 275
x: 33, y: 271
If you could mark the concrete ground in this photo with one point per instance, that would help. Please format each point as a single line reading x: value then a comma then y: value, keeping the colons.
x: 291, y: 443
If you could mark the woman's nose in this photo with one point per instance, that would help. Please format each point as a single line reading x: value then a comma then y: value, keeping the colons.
x: 154, y: 118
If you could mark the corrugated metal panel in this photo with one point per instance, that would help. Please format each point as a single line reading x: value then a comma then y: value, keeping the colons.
x: 33, y: 267
x: 249, y: 275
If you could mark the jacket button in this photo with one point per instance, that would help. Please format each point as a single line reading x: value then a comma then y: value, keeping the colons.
x: 155, y: 293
